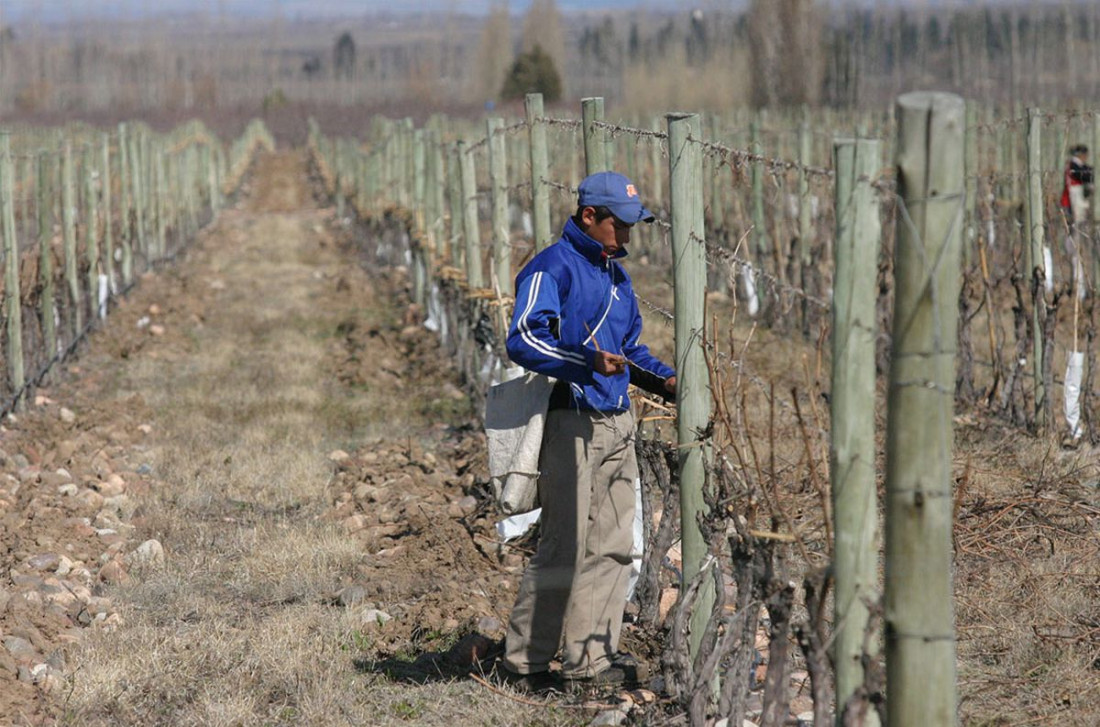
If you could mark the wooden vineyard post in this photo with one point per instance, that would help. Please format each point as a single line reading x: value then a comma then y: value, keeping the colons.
x: 718, y: 187
x: 693, y: 394
x: 419, y: 215
x: 46, y: 174
x: 458, y: 207
x: 469, y: 218
x: 852, y: 413
x: 658, y: 182
x: 1036, y: 270
x: 68, y: 223
x: 756, y: 170
x: 595, y: 146
x: 339, y: 193
x: 1095, y: 208
x: 91, y: 229
x: 12, y: 299
x: 971, y: 148
x: 190, y: 190
x: 498, y: 195
x: 138, y: 184
x: 162, y: 198
x: 125, y: 204
x: 212, y: 180
x: 438, y: 193
x: 919, y: 618
x: 540, y: 171
x: 805, y: 244
x: 419, y: 179
x: 108, y: 222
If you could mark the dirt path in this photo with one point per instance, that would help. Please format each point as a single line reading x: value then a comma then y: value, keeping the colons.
x: 297, y: 454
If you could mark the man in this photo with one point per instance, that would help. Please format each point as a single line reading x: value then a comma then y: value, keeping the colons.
x: 576, y: 319
x: 1077, y: 186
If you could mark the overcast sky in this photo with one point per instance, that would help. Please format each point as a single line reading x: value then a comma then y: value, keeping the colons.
x: 17, y: 11
x: 21, y: 11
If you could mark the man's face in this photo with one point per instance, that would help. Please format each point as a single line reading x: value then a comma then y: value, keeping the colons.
x: 609, y: 232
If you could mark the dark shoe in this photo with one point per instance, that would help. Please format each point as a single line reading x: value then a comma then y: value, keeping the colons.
x: 540, y: 682
x: 612, y: 676
x: 624, y: 671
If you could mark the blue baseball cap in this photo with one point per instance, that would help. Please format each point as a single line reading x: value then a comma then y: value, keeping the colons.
x: 616, y: 193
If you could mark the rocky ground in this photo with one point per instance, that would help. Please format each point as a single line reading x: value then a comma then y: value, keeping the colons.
x: 257, y: 496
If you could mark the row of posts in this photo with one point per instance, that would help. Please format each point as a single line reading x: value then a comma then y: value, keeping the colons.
x: 919, y: 621
x: 124, y: 194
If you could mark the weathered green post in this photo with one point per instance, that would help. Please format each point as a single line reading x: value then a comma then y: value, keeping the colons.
x: 419, y: 213
x: 458, y: 207
x: 339, y: 192
x: 438, y: 193
x: 1095, y: 208
x: 658, y: 182
x: 919, y: 618
x: 68, y: 223
x: 718, y: 189
x: 91, y: 229
x: 12, y: 299
x: 971, y: 175
x: 685, y: 162
x: 212, y: 174
x: 161, y: 207
x: 1036, y: 270
x: 138, y: 185
x: 46, y: 173
x: 498, y: 196
x: 540, y: 171
x: 470, y: 231
x: 756, y: 171
x: 595, y: 145
x: 125, y: 204
x: 108, y: 222
x: 26, y: 175
x: 805, y: 231
x: 852, y: 415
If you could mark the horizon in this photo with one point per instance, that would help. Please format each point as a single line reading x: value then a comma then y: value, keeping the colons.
x: 17, y: 12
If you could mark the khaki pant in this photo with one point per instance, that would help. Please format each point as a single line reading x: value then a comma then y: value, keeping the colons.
x: 574, y: 590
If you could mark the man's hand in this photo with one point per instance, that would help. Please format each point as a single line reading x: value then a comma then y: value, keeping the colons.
x: 609, y: 364
x: 670, y: 385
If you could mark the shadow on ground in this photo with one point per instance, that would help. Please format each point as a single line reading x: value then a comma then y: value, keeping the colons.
x: 473, y: 653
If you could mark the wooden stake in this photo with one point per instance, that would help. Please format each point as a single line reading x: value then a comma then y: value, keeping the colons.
x: 13, y: 302
x: 1036, y: 264
x: 47, y: 303
x: 852, y: 412
x: 91, y: 231
x: 595, y: 144
x: 693, y: 382
x: 68, y: 217
x: 540, y: 171
x: 470, y: 230
x: 919, y: 618
x: 498, y: 185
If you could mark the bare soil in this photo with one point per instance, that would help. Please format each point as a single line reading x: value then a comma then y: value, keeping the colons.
x: 271, y: 414
x: 299, y: 451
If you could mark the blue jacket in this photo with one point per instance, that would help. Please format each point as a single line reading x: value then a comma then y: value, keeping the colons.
x: 566, y: 295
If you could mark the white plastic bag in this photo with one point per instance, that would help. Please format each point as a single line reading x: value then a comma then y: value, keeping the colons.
x: 515, y: 416
x: 1074, y: 367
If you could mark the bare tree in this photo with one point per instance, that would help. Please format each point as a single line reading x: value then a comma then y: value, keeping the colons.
x: 542, y: 28
x: 494, y: 53
x: 787, y: 53
x: 343, y: 56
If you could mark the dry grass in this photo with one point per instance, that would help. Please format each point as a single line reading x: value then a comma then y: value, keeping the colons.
x: 239, y: 625
x: 1027, y: 528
